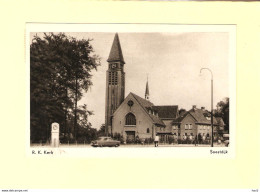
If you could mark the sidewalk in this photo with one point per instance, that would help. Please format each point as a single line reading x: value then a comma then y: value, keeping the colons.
x: 128, y: 145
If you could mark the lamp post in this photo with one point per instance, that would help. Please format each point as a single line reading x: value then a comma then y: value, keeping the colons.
x: 211, y: 103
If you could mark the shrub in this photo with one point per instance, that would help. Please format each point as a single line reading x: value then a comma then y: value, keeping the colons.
x: 171, y: 139
x: 137, y: 140
x: 129, y: 141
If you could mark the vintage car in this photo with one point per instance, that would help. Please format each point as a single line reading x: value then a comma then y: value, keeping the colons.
x: 105, y: 141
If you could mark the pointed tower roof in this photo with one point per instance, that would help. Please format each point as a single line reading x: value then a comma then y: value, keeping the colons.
x: 116, y: 52
x: 147, y: 89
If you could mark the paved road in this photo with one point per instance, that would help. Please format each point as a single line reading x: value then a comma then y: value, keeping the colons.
x: 126, y: 146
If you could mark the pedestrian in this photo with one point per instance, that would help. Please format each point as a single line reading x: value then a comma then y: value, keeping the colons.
x: 200, y: 138
x: 196, y: 140
x: 190, y: 139
x: 203, y: 139
x: 175, y: 139
x: 185, y: 138
x: 156, y: 140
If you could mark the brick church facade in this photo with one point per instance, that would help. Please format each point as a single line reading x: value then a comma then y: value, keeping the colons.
x: 136, y: 116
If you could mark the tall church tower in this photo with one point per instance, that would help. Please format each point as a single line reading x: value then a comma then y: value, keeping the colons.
x: 115, y: 82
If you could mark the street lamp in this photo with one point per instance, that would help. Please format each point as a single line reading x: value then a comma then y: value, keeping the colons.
x: 211, y: 103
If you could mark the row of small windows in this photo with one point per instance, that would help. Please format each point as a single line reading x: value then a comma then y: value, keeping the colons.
x: 204, y: 127
x: 112, y: 78
x: 189, y: 126
x: 191, y: 134
x: 176, y: 127
x: 162, y: 128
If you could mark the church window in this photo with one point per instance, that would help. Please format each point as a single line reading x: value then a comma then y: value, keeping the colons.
x: 148, y: 130
x: 130, y: 119
x: 130, y: 103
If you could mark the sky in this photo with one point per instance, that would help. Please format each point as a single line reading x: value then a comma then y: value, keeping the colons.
x: 172, y: 62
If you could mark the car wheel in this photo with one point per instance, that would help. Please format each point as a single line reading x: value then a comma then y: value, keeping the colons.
x: 116, y: 145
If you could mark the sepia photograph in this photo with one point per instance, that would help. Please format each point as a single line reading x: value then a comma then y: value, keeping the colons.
x: 135, y: 89
x: 130, y: 95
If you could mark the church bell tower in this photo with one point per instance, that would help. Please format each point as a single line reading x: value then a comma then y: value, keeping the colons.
x: 115, y: 82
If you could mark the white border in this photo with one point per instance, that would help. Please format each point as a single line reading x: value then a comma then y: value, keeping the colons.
x: 144, y: 152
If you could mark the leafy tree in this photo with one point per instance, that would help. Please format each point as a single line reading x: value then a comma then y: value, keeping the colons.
x: 182, y: 111
x: 223, y: 112
x: 60, y: 71
x: 101, y: 131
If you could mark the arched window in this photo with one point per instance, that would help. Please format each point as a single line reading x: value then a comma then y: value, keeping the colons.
x: 147, y: 130
x: 130, y: 119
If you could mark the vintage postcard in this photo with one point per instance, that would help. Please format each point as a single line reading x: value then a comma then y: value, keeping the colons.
x: 131, y: 90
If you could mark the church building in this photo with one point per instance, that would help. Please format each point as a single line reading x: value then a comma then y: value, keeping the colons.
x: 132, y: 116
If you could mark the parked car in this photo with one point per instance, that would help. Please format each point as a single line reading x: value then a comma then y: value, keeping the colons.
x: 105, y: 141
x: 226, y: 139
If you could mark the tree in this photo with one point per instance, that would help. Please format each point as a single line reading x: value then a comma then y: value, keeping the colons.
x: 182, y: 111
x: 101, y: 131
x: 60, y: 71
x: 223, y: 112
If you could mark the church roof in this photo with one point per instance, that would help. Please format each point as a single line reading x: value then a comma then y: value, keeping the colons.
x: 116, y: 52
x: 147, y: 104
x: 167, y: 111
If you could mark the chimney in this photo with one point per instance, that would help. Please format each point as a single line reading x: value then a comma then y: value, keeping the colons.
x: 194, y: 107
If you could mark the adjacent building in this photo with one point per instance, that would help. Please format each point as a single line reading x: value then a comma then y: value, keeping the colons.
x: 194, y: 122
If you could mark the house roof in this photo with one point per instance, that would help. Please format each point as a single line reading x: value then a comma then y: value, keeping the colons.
x: 116, y: 51
x: 199, y: 115
x: 166, y: 111
x: 145, y: 105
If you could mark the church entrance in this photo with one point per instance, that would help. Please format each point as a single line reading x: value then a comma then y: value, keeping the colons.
x: 130, y: 136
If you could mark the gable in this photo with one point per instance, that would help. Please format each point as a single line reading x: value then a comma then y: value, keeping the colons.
x: 188, y: 118
x: 142, y: 103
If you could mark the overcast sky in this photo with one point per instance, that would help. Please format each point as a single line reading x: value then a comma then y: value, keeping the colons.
x: 172, y: 62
